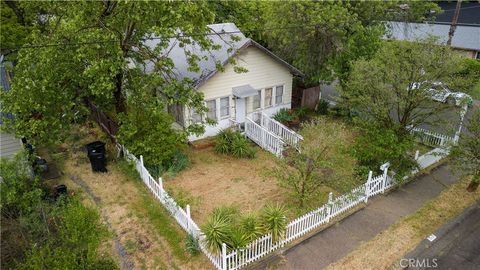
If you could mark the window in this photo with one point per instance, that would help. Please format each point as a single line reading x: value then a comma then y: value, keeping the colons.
x: 196, y: 117
x: 224, y: 106
x: 477, y: 55
x: 268, y: 97
x: 279, y: 94
x: 256, y: 100
x: 212, y: 109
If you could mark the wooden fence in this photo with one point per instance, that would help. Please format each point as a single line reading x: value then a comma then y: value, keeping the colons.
x: 107, y: 124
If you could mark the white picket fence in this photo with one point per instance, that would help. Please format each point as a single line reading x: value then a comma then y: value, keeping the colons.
x: 182, y: 216
x: 432, y: 138
x: 299, y: 227
x: 236, y: 259
x: 264, y: 138
x: 289, y: 136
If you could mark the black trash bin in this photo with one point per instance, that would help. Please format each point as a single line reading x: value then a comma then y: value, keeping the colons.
x: 96, y: 154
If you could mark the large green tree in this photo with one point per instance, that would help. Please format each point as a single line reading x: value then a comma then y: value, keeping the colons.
x: 393, y: 88
x: 322, y: 38
x: 96, y: 50
x: 466, y: 154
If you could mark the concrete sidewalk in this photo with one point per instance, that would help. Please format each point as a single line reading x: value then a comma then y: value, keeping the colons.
x: 338, y: 240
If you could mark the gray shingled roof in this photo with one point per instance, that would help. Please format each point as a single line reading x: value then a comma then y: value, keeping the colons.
x: 466, y: 37
x: 231, y: 41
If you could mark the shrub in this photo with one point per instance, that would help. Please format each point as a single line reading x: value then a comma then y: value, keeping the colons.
x: 233, y: 143
x: 251, y: 227
x: 274, y: 220
x: 192, y: 245
x: 322, y: 107
x: 217, y: 230
x: 283, y: 116
x: 301, y: 112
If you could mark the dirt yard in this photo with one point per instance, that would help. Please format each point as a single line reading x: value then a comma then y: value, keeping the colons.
x: 214, y: 180
x: 144, y: 236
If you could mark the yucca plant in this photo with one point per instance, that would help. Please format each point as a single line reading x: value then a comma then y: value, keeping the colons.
x: 223, y: 141
x: 237, y: 239
x: 274, y: 220
x: 192, y: 245
x: 251, y: 227
x: 233, y: 143
x: 217, y: 230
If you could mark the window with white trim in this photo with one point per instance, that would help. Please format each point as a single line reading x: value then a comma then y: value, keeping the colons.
x: 256, y: 100
x: 196, y: 117
x: 212, y: 109
x: 267, y: 100
x: 477, y: 55
x: 224, y: 107
x: 279, y: 94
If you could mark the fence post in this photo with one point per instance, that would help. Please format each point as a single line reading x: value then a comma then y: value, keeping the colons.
x: 224, y: 256
x: 330, y: 206
x: 384, y: 168
x: 187, y: 210
x: 160, y: 183
x: 416, y: 154
x: 367, y: 186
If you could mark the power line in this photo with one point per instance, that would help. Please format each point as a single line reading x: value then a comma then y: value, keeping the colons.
x: 155, y: 38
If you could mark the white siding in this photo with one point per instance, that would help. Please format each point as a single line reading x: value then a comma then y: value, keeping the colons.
x: 263, y: 72
x: 9, y: 145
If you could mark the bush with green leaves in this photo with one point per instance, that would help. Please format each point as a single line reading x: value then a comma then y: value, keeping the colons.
x: 284, y: 116
x: 192, y: 245
x: 39, y: 233
x: 227, y: 225
x: 147, y: 130
x: 233, y: 143
x: 322, y: 107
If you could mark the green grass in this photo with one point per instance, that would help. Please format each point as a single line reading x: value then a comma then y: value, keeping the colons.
x: 476, y: 91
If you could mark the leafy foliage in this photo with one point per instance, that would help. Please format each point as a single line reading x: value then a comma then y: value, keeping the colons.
x: 377, y: 145
x: 45, y: 234
x: 284, y: 116
x: 106, y: 64
x: 274, y: 220
x: 322, y: 107
x: 192, y: 245
x: 324, y: 160
x: 233, y: 143
x: 466, y: 154
x: 226, y: 225
x: 381, y: 90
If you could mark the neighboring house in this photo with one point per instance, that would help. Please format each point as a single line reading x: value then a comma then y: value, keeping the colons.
x: 229, y: 95
x: 9, y: 145
x: 466, y: 39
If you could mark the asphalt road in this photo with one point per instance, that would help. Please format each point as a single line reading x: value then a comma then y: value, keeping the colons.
x: 457, y: 245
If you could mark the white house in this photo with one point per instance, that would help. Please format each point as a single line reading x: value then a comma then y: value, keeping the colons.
x: 229, y: 95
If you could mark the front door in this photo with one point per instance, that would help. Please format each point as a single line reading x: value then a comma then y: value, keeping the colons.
x: 241, y: 110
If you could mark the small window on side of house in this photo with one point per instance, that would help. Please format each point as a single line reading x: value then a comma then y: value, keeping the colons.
x: 279, y: 95
x: 212, y: 109
x: 196, y: 117
x: 268, y: 97
x: 224, y: 107
x: 256, y: 100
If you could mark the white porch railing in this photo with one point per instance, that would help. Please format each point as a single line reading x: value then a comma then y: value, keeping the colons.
x: 263, y: 137
x: 288, y: 136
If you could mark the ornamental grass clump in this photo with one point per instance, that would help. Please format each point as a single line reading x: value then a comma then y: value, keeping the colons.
x: 233, y: 143
x: 227, y: 225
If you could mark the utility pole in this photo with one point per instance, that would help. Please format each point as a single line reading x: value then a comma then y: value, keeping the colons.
x: 453, y: 26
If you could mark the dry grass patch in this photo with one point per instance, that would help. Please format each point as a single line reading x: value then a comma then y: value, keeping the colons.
x: 214, y: 180
x: 151, y: 238
x: 387, y: 248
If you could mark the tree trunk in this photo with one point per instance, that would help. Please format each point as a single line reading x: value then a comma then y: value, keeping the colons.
x: 120, y: 102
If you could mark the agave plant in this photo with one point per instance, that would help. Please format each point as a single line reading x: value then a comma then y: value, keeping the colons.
x: 217, y: 230
x: 274, y: 220
x: 237, y: 239
x: 251, y: 227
